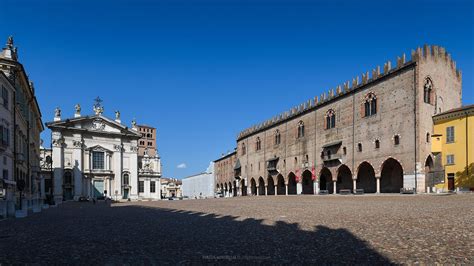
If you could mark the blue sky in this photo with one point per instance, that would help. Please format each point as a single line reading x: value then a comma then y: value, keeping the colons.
x: 202, y: 71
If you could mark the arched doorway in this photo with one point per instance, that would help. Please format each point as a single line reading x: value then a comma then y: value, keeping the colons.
x: 226, y: 190
x: 270, y: 186
x: 253, y: 187
x: 291, y: 184
x: 429, y: 176
x: 344, y: 179
x: 325, y: 180
x: 231, y: 191
x: 391, y: 178
x: 235, y: 189
x: 281, y: 189
x: 243, y: 187
x: 366, y: 178
x: 308, y: 187
x: 261, y: 186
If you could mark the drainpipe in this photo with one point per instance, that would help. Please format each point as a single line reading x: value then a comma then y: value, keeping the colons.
x: 414, y: 126
x: 467, y: 144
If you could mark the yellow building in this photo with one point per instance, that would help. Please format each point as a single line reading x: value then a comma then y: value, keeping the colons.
x: 453, y: 148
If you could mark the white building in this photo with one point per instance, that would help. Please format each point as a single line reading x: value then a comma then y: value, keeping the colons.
x: 149, y: 176
x: 200, y: 185
x: 94, y: 156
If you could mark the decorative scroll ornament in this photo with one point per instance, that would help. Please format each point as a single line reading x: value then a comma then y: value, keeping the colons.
x: 98, y: 124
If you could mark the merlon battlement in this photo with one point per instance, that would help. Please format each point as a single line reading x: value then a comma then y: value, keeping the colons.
x: 428, y: 52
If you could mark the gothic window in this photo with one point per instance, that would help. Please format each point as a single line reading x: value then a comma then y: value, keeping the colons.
x: 243, y: 149
x: 97, y: 160
x: 428, y: 91
x: 300, y: 129
x: 396, y: 140
x: 370, y: 105
x: 277, y: 137
x: 377, y: 144
x: 258, y: 144
x: 330, y: 119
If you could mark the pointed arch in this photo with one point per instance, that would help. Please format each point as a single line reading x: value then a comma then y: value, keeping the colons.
x: 366, y: 177
x: 253, y: 187
x: 270, y: 186
x: 307, y: 182
x: 391, y: 177
x: 281, y: 188
x: 261, y: 186
x: 325, y: 180
x: 344, y: 178
x: 291, y: 184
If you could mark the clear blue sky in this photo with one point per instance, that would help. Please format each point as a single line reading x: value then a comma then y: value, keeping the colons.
x: 201, y: 71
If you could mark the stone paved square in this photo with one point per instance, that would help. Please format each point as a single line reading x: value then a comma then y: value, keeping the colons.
x: 253, y: 230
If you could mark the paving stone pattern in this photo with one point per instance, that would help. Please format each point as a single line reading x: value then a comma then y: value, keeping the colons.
x: 252, y: 230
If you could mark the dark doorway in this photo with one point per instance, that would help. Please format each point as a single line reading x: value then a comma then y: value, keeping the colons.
x: 270, y: 186
x: 253, y: 187
x: 429, y: 172
x: 291, y: 184
x: 344, y: 179
x: 325, y: 180
x: 261, y: 186
x: 308, y: 187
x: 235, y: 189
x: 391, y: 178
x: 281, y: 188
x: 451, y: 182
x: 243, y: 187
x: 366, y: 178
x: 231, y: 191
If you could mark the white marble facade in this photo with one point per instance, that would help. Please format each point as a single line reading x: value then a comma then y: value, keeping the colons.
x: 94, y: 157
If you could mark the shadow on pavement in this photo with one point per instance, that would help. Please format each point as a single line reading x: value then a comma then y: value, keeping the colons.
x: 130, y: 234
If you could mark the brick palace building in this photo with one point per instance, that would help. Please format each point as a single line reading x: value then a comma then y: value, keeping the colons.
x: 371, y: 133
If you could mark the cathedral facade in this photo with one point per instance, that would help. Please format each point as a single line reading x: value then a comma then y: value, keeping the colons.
x: 97, y: 157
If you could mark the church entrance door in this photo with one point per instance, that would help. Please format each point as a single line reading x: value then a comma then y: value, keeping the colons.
x: 98, y: 189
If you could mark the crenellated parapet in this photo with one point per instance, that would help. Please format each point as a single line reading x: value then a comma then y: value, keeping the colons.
x: 428, y: 52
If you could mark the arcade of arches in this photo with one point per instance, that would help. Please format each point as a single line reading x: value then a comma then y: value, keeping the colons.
x: 364, y: 178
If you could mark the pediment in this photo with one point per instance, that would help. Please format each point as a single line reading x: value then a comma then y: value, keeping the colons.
x: 98, y: 123
x: 99, y: 148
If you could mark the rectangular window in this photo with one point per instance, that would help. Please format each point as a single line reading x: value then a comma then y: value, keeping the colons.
x: 4, y: 135
x: 5, y: 174
x: 5, y: 97
x: 141, y: 186
x: 152, y: 187
x: 450, y: 159
x: 449, y: 134
x: 97, y: 160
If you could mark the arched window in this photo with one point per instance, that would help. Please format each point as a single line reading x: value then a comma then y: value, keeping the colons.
x: 258, y: 144
x: 370, y: 104
x: 428, y: 91
x: 68, y: 178
x: 243, y: 149
x: 277, y: 137
x: 300, y: 129
x: 359, y: 147
x: 330, y: 119
x: 126, y: 179
x: 377, y: 144
x: 396, y: 140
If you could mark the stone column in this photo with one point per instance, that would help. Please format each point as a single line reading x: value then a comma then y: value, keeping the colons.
x: 299, y: 188
x: 286, y: 189
x: 334, y: 185
x: 276, y: 190
x: 58, y: 166
x: 118, y: 171
x: 258, y: 191
x: 377, y: 178
x: 316, y: 187
x: 78, y: 168
x: 266, y: 190
x: 354, y: 184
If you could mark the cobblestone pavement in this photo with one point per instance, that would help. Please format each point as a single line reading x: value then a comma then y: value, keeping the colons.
x: 253, y: 230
